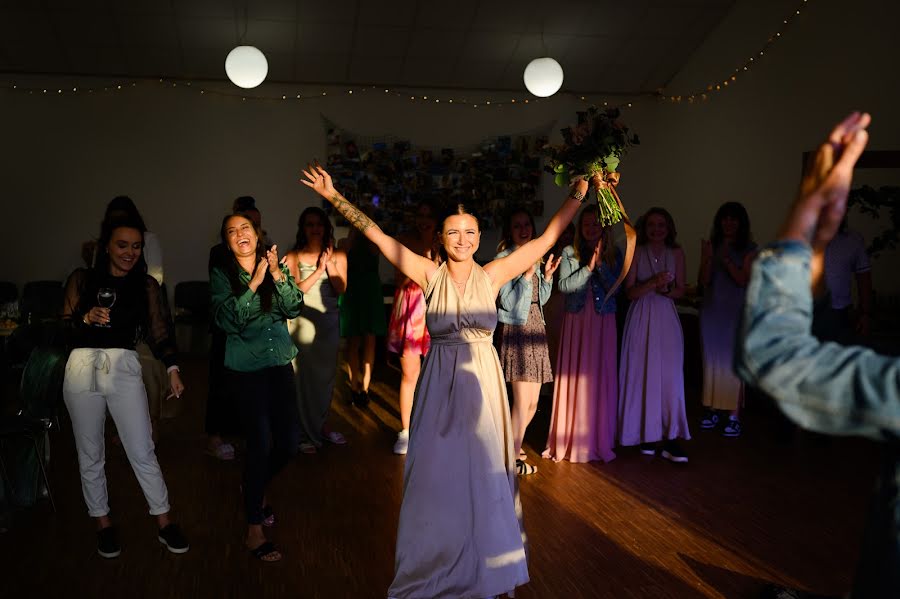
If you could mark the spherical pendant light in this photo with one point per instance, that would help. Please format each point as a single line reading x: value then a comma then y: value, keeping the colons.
x: 246, y: 66
x: 543, y: 77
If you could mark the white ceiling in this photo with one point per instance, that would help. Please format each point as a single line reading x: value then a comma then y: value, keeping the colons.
x: 621, y: 46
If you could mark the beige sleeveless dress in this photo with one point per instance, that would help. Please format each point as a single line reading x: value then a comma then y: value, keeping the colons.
x: 460, y: 533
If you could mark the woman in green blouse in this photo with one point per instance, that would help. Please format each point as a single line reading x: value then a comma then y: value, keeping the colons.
x: 252, y: 310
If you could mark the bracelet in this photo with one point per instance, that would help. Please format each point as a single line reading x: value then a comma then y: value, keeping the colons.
x: 577, y: 196
x: 84, y: 319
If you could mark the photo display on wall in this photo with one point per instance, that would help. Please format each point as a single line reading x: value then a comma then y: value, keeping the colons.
x: 387, y: 176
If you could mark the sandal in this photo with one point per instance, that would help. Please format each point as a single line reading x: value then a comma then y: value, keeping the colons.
x: 222, y: 451
x: 308, y: 448
x: 524, y: 468
x: 268, y: 516
x: 522, y: 455
x: 267, y: 552
x: 336, y: 438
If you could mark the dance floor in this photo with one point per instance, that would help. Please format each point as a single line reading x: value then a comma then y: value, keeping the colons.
x: 743, y: 513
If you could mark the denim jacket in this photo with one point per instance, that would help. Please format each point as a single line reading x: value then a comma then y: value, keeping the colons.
x: 514, y: 299
x: 826, y: 387
x: 574, y: 279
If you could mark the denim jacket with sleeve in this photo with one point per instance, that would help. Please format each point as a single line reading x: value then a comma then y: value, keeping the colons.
x: 826, y: 387
x: 575, y: 278
x: 514, y: 299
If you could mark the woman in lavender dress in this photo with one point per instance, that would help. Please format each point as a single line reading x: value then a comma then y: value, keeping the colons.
x: 651, y: 376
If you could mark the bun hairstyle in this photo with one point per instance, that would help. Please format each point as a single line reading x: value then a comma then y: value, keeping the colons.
x: 457, y: 210
x: 244, y: 203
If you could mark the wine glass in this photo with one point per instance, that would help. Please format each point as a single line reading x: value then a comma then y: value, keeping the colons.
x: 106, y: 297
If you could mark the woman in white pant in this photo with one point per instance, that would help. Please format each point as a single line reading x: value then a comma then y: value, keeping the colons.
x: 104, y: 372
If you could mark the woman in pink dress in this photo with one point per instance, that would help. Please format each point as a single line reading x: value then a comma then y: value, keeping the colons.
x: 583, y: 424
x: 407, y: 334
x: 651, y: 376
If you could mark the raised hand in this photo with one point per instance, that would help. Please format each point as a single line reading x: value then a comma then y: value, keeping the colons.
x: 595, y: 256
x: 579, y: 189
x: 822, y: 200
x: 272, y: 262
x: 325, y: 258
x: 318, y: 179
x: 259, y: 275
x: 550, y: 267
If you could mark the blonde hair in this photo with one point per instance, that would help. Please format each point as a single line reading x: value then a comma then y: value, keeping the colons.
x: 580, y: 247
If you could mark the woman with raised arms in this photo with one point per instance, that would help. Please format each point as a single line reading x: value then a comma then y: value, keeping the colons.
x: 460, y: 532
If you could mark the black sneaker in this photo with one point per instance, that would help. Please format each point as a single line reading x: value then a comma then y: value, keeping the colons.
x: 673, y: 452
x: 108, y: 543
x: 733, y: 428
x: 172, y: 537
x: 648, y: 448
x: 710, y: 420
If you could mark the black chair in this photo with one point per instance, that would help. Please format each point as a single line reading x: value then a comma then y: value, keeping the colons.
x: 40, y: 391
x: 42, y: 300
x: 192, y: 316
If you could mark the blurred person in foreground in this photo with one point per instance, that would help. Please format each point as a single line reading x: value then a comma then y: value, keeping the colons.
x: 825, y: 387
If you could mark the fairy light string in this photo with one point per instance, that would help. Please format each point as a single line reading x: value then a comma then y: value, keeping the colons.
x: 498, y: 100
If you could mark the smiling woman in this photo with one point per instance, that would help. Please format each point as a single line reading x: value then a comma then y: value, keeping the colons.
x: 253, y: 296
x: 110, y: 308
x: 461, y: 465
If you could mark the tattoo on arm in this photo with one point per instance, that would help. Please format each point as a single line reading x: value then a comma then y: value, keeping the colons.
x: 353, y: 214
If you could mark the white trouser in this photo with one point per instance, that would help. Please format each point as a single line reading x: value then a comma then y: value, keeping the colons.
x: 101, y: 378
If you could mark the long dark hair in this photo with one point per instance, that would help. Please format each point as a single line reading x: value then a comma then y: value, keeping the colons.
x: 232, y: 268
x: 506, y: 240
x: 135, y: 282
x: 737, y: 211
x: 301, y: 240
x: 670, y: 225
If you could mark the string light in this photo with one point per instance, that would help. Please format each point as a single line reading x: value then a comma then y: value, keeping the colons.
x: 399, y: 94
x: 744, y: 67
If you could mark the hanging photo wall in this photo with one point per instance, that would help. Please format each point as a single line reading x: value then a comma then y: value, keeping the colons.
x: 388, y: 175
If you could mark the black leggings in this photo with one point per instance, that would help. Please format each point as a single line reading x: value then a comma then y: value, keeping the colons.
x: 267, y: 404
x: 221, y: 412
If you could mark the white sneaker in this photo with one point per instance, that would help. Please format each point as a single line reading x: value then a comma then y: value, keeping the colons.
x: 402, y: 443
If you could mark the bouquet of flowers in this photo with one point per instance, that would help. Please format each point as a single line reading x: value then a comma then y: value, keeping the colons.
x: 592, y: 149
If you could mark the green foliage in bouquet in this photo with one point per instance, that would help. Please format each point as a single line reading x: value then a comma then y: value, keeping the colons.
x: 594, y: 146
x: 593, y: 149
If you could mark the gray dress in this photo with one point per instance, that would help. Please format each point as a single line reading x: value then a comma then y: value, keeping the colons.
x: 316, y: 333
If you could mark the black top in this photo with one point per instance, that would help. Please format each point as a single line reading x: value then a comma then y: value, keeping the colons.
x: 138, y: 314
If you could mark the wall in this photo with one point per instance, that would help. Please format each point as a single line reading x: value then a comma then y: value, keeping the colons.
x: 183, y: 156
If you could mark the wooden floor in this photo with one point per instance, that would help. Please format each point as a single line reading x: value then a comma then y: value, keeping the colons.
x: 743, y: 513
